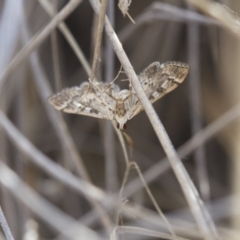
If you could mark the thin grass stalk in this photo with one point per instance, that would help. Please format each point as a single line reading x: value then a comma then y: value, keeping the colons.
x: 120, y: 196
x: 196, y: 107
x: 149, y: 193
x: 146, y: 232
x: 69, y: 37
x: 109, y: 137
x: 147, y: 189
x: 198, y: 139
x: 122, y: 143
x: 158, y: 11
x: 55, y: 52
x: 146, y: 217
x: 109, y: 53
x: 44, y: 209
x: 9, y: 28
x: 5, y: 227
x: 77, y: 50
x: 48, y: 165
x: 21, y: 114
x: 97, y: 49
x: 111, y: 178
x: 200, y: 213
x: 219, y: 12
x: 180, y: 219
x: 61, y: 129
x: 57, y: 121
x: 91, y: 192
x: 38, y: 39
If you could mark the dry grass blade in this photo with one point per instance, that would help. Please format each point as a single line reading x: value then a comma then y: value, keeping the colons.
x: 55, y: 170
x: 201, y: 215
x: 5, y: 226
x: 158, y: 11
x: 55, y: 52
x: 73, y: 43
x: 134, y: 165
x: 61, y: 128
x: 196, y: 106
x: 47, y: 164
x: 143, y: 232
x: 197, y: 140
x: 38, y: 39
x: 181, y: 220
x: 109, y: 136
x: 97, y: 49
x: 64, y: 136
x: 69, y: 37
x: 123, y: 145
x: 45, y: 210
x: 67, y: 159
x: 226, y: 17
x: 110, y: 157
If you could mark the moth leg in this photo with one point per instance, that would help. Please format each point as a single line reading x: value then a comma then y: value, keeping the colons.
x: 130, y: 102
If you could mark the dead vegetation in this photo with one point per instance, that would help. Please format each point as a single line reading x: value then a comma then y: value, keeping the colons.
x: 74, y: 177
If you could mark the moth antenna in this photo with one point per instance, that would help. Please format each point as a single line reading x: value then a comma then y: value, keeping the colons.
x: 119, y: 72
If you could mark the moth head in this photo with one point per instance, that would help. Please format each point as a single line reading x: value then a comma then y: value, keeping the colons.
x: 121, y: 127
x: 121, y: 123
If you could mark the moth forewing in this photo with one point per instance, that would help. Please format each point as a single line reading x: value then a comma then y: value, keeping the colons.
x: 81, y: 100
x: 62, y: 99
x: 169, y: 75
x: 159, y: 79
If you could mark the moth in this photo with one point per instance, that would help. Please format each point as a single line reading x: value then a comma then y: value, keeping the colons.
x: 108, y: 101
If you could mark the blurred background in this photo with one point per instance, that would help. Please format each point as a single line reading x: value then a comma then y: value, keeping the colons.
x: 164, y: 31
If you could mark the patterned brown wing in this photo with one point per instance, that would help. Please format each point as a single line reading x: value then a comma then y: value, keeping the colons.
x: 159, y: 79
x: 83, y: 100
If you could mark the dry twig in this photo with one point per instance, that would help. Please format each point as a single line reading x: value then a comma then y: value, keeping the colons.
x: 201, y: 215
